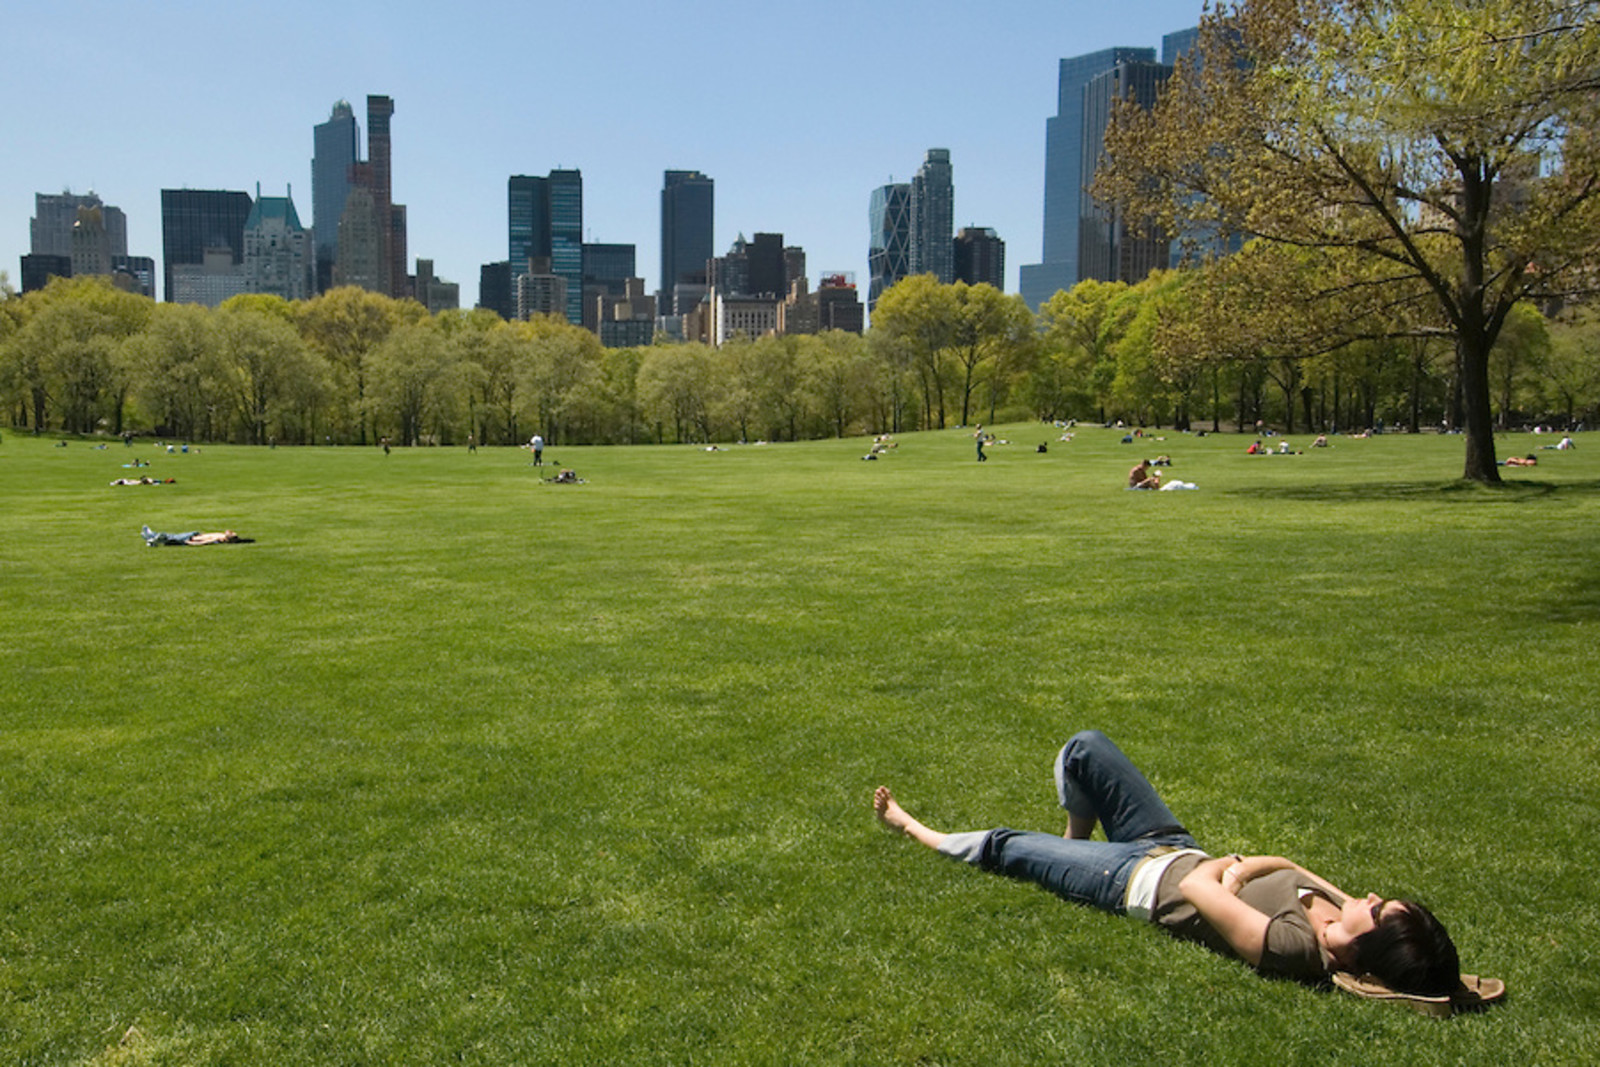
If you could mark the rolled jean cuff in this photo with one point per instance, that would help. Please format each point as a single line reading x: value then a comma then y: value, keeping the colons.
x: 1067, y: 790
x: 966, y: 847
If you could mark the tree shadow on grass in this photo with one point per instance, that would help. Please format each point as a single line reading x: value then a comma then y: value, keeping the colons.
x: 1520, y: 491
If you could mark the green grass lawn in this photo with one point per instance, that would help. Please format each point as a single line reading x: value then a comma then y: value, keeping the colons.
x: 454, y: 766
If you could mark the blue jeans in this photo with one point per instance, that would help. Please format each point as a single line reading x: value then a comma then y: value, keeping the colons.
x: 1093, y: 777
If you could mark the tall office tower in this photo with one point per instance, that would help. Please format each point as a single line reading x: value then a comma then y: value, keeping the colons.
x: 889, y: 251
x: 377, y: 210
x: 933, y: 199
x: 1064, y: 174
x: 194, y: 220
x: 980, y: 258
x: 544, y: 218
x: 275, y: 249
x: 494, y: 289
x: 767, y: 276
x: 91, y: 244
x: 391, y: 216
x: 566, y: 236
x: 794, y: 267
x: 528, y: 221
x: 1108, y: 247
x: 335, y: 152
x: 687, y: 210
x: 361, y: 259
x: 607, y: 269
x: 55, y: 215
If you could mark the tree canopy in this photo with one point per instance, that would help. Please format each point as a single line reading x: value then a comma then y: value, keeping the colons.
x: 1429, y: 166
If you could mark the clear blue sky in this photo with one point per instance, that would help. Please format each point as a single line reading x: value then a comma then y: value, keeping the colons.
x: 797, y: 111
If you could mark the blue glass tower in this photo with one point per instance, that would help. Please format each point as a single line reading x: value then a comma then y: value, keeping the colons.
x: 566, y: 236
x: 688, y: 200
x: 1064, y: 173
x: 335, y: 146
x: 889, y: 253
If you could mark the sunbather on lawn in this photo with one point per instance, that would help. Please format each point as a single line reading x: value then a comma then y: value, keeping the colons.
x: 1273, y: 914
x: 192, y: 537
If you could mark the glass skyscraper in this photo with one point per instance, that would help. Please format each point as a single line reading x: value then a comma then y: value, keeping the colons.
x: 544, y: 219
x: 688, y: 201
x: 889, y: 252
x: 1065, y: 173
x: 566, y: 236
x: 933, y: 198
x: 1107, y: 248
x: 528, y: 221
x: 193, y: 220
x: 335, y: 145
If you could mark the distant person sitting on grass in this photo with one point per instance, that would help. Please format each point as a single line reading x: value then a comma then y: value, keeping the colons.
x: 193, y: 537
x: 1269, y: 912
x: 1142, y: 477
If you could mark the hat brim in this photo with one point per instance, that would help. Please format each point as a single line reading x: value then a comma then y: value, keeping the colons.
x: 1474, y: 993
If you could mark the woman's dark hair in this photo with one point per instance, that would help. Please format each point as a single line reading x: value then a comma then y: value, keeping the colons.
x: 1411, y: 952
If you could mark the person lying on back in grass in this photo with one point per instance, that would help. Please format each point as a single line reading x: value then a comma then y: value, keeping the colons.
x: 193, y: 537
x: 1273, y: 914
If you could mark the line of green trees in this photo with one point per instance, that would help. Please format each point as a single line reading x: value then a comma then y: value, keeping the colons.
x: 351, y: 367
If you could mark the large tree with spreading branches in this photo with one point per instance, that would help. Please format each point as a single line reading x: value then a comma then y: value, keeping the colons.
x: 1440, y: 159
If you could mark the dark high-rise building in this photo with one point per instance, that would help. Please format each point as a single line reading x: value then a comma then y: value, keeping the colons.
x: 544, y: 220
x: 768, y: 276
x: 193, y: 220
x: 980, y: 257
x: 1064, y: 171
x: 39, y: 267
x: 527, y: 220
x: 566, y: 236
x: 889, y: 252
x: 494, y: 289
x: 1108, y: 246
x: 335, y: 152
x: 933, y: 198
x: 838, y: 306
x: 687, y: 214
x: 607, y: 270
x: 137, y: 274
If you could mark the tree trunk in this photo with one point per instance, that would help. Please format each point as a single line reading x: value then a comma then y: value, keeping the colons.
x: 1473, y: 355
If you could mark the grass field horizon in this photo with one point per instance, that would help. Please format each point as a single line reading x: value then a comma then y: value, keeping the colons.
x: 453, y: 765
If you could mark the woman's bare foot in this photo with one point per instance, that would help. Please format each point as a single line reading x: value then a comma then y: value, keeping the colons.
x: 892, y: 815
x: 889, y: 812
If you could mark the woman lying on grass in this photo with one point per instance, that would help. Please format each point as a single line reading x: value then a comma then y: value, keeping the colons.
x: 1273, y: 914
x: 192, y: 537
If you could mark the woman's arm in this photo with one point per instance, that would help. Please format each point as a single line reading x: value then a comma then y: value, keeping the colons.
x: 1243, y: 927
x: 1243, y: 869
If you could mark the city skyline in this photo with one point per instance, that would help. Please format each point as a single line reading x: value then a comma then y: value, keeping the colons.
x: 144, y: 111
